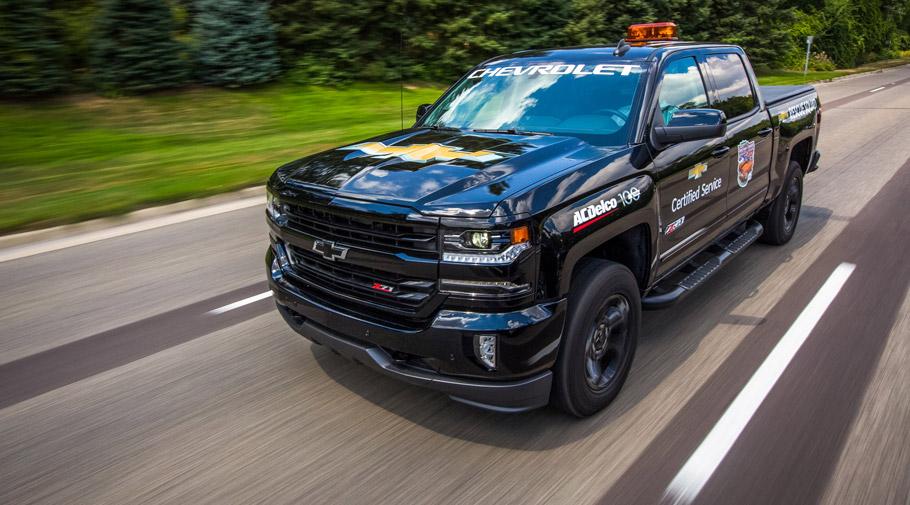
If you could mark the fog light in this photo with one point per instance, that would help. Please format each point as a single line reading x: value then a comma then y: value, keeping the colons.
x: 485, y: 348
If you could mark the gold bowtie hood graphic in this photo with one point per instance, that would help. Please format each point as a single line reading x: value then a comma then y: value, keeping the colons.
x: 423, y: 153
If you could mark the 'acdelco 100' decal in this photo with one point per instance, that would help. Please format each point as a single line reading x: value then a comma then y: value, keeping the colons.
x: 592, y: 213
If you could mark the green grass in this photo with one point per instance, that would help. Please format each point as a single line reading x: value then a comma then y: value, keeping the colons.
x: 779, y: 77
x: 82, y: 157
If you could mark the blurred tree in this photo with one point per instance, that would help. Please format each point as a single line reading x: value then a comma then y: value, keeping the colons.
x: 134, y: 50
x: 761, y: 27
x: 606, y: 21
x: 235, y: 43
x: 77, y: 21
x: 31, y: 54
x: 804, y: 25
x: 692, y: 17
x: 453, y: 36
x: 851, y: 32
x: 330, y: 40
x: 127, y: 46
x: 871, y: 28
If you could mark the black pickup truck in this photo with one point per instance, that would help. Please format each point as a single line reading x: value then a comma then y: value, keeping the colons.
x: 502, y: 249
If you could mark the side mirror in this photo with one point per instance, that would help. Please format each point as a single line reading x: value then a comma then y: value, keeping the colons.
x: 692, y: 124
x: 422, y: 110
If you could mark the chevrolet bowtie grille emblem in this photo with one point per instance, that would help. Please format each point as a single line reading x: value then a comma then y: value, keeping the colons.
x: 329, y: 250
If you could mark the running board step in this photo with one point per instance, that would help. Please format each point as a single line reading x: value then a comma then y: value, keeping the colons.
x: 721, y: 251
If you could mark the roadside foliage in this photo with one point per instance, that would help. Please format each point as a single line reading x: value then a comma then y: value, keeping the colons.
x: 133, y: 49
x: 118, y: 47
x: 31, y: 52
x: 234, y: 43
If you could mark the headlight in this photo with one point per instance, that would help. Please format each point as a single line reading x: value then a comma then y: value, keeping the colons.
x: 479, y: 239
x: 275, y: 209
x: 486, y: 247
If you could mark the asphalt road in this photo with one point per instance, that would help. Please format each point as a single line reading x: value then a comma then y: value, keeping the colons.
x: 121, y: 381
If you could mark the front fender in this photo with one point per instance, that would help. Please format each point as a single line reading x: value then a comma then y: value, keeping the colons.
x: 576, y: 229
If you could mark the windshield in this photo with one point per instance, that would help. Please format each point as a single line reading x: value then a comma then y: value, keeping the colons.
x: 591, y: 101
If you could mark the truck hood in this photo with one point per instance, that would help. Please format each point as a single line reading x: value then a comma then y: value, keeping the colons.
x: 444, y: 173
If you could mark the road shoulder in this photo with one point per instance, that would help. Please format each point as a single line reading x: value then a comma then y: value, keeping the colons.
x: 95, y: 225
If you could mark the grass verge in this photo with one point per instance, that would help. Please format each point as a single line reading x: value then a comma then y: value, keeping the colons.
x: 82, y: 157
x: 779, y: 77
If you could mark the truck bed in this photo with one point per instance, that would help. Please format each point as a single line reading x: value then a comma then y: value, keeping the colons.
x: 776, y: 94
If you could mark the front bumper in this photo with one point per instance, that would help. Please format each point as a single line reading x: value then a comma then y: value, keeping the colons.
x: 441, y: 356
x: 504, y: 396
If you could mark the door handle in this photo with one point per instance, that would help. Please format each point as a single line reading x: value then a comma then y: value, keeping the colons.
x: 765, y: 131
x: 719, y: 152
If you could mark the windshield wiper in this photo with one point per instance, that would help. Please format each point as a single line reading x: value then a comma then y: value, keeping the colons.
x: 512, y: 131
x: 444, y: 128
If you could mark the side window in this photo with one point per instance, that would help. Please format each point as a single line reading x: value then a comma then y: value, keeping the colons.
x: 734, y: 94
x: 682, y: 88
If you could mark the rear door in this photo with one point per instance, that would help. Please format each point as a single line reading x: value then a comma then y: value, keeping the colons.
x: 692, y: 176
x: 748, y: 134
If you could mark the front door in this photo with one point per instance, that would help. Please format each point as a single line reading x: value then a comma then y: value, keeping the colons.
x: 692, y: 176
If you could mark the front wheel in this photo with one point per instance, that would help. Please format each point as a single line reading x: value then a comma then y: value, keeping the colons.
x: 604, y: 319
x: 779, y: 220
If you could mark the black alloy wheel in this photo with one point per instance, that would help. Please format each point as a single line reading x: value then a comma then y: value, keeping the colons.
x: 779, y: 219
x: 598, y: 342
x: 606, y: 342
x: 792, y: 203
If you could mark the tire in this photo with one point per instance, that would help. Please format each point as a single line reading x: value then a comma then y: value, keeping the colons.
x: 603, y: 322
x: 780, y: 219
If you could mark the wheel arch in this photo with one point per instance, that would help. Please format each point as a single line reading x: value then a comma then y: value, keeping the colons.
x: 630, y: 247
x: 802, y: 153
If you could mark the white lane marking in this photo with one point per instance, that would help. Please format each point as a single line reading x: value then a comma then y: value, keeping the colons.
x: 24, y: 251
x: 241, y: 303
x: 704, y: 461
x: 876, y: 89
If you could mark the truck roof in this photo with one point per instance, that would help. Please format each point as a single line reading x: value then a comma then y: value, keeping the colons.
x: 601, y: 52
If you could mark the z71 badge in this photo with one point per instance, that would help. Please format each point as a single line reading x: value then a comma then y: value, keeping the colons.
x: 675, y: 225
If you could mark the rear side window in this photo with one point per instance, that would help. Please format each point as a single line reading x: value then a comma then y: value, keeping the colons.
x: 682, y: 88
x: 734, y: 94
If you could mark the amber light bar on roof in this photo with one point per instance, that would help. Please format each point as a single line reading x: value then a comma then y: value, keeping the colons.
x: 651, y: 32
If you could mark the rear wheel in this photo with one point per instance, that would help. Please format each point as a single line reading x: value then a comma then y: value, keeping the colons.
x: 779, y: 220
x: 604, y: 318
